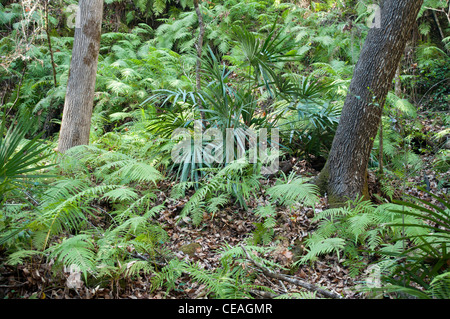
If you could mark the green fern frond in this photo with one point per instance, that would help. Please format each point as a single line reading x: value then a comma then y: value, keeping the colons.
x: 134, y: 171
x: 121, y: 194
x: 138, y: 267
x: 18, y: 257
x: 215, y: 203
x: 298, y: 295
x: 440, y: 286
x: 296, y: 191
x: 76, y: 251
x: 320, y: 246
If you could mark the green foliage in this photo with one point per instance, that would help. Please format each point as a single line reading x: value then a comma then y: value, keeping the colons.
x: 264, y: 230
x: 229, y: 281
x: 133, y: 67
x: 397, y: 149
x: 292, y: 192
x: 113, y: 166
x: 343, y: 230
x: 21, y: 160
x: 264, y: 65
x: 309, y: 119
x: 296, y: 190
x: 422, y: 265
x: 76, y: 251
x: 264, y: 56
x: 236, y: 180
x: 442, y: 161
x: 431, y: 77
x: 69, y: 206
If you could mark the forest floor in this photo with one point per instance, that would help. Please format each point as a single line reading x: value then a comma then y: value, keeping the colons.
x: 230, y: 226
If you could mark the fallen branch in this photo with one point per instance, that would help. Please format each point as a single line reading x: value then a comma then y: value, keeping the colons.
x: 264, y: 294
x: 292, y: 280
x: 14, y: 286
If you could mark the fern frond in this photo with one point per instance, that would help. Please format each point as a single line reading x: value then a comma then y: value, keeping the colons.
x: 215, y: 203
x: 138, y: 267
x: 76, y: 251
x: 296, y: 191
x: 298, y: 295
x: 132, y: 171
x: 18, y: 257
x: 440, y: 286
x: 320, y: 246
x: 121, y: 194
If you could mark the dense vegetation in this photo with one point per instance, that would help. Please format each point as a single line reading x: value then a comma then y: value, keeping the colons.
x: 120, y: 218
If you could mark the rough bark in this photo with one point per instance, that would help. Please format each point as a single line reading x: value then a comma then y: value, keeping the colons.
x: 345, y: 173
x: 77, y: 113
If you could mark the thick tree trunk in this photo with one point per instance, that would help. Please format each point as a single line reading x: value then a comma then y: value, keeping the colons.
x: 345, y: 173
x: 77, y: 113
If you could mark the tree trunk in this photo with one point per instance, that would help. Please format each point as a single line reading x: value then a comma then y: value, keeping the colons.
x: 199, y: 55
x: 77, y: 113
x: 345, y: 173
x: 49, y: 41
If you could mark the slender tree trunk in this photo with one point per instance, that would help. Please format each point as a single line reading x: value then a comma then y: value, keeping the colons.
x: 398, y: 82
x: 380, y: 153
x: 436, y: 19
x: 345, y: 173
x: 77, y: 113
x: 49, y: 41
x: 199, y: 54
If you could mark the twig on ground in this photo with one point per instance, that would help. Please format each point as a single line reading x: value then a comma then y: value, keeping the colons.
x: 292, y: 280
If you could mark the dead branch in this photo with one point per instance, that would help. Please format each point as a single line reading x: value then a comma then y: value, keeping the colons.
x: 264, y: 294
x: 292, y: 280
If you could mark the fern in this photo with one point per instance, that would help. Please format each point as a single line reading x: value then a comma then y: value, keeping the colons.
x: 67, y: 211
x: 76, y: 251
x: 256, y: 252
x: 343, y: 230
x: 121, y: 194
x: 133, y: 171
x: 234, y: 179
x: 19, y: 257
x: 227, y: 282
x: 298, y: 295
x: 440, y: 286
x: 168, y: 275
x: 321, y: 246
x: 116, y: 167
x: 296, y: 190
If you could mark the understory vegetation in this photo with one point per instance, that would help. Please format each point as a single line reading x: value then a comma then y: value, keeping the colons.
x: 120, y: 218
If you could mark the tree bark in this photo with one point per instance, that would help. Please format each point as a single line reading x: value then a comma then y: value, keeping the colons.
x: 77, y: 113
x: 49, y: 41
x: 345, y: 173
x: 199, y: 55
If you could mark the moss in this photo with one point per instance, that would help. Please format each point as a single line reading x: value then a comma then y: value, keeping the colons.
x: 321, y: 180
x: 190, y: 249
x: 334, y: 200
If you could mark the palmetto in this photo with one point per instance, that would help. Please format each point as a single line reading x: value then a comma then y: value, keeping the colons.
x: 19, y: 158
